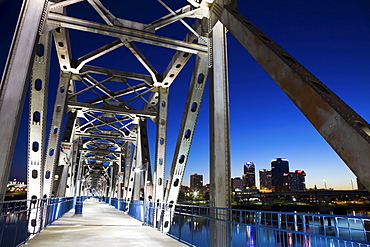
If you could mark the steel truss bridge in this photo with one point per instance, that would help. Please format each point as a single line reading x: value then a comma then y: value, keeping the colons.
x: 103, y: 146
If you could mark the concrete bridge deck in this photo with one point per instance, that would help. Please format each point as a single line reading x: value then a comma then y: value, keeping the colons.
x: 100, y: 225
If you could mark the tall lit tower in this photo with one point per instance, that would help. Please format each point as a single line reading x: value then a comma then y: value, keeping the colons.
x: 249, y: 175
x: 279, y: 166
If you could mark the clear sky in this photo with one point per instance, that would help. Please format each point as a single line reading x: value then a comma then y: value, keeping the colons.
x: 330, y: 38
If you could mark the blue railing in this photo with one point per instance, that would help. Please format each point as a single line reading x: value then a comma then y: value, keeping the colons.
x: 192, y: 224
x: 15, y: 217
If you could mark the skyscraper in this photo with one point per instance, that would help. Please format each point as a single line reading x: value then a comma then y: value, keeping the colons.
x: 296, y: 180
x: 249, y: 175
x: 196, y: 181
x: 265, y: 179
x: 279, y: 166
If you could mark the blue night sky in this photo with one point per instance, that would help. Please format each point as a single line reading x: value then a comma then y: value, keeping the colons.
x: 330, y: 38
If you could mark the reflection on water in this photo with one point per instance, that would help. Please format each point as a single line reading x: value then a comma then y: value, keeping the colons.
x: 14, y: 229
x: 195, y: 230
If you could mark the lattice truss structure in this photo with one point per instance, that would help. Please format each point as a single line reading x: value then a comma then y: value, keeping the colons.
x: 103, y: 148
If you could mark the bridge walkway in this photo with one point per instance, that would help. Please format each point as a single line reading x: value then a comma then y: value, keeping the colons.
x: 100, y: 225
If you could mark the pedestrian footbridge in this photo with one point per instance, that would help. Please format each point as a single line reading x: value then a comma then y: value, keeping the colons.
x: 100, y: 225
x: 114, y: 222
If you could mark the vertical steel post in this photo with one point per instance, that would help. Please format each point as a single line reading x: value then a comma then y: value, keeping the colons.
x: 111, y: 178
x: 131, y: 175
x: 161, y: 145
x: 219, y: 136
x: 128, y: 161
x: 78, y: 177
x: 160, y: 156
x: 138, y: 166
x: 37, y: 117
x: 148, y: 180
x: 36, y: 125
x: 120, y: 174
x: 66, y: 156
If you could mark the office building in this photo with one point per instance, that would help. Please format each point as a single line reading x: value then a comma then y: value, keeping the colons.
x: 294, y: 181
x: 265, y: 179
x: 196, y: 181
x: 279, y: 166
x: 249, y: 175
x: 237, y: 183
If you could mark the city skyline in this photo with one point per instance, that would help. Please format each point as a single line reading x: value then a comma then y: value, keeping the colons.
x: 264, y: 123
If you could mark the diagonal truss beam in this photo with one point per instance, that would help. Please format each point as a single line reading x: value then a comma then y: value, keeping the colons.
x: 97, y: 53
x: 53, y: 142
x: 62, y: 4
x: 111, y: 20
x: 177, y: 15
x: 14, y: 80
x: 186, y: 133
x: 345, y: 131
x: 187, y: 128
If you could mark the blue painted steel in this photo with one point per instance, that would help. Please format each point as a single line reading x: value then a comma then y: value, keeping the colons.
x: 191, y: 225
x: 136, y: 210
x: 14, y: 217
x: 79, y: 205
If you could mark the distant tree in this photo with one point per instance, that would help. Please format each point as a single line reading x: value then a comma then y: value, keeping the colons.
x: 181, y: 196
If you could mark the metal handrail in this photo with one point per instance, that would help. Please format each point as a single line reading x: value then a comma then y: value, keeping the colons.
x: 15, y: 217
x: 318, y: 228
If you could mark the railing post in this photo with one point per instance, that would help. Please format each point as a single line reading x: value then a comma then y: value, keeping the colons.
x: 180, y: 221
x: 304, y: 230
x: 258, y: 229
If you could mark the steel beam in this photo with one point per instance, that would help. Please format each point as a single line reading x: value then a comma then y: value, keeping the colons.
x: 62, y: 4
x: 97, y: 53
x: 14, y: 81
x: 71, y: 168
x: 123, y: 33
x: 109, y: 109
x: 345, y: 131
x: 220, y: 191
x: 117, y: 73
x: 66, y: 157
x: 109, y: 137
x: 53, y: 142
x: 161, y: 140
x: 127, y: 168
x: 37, y: 117
x: 138, y: 167
x: 148, y: 180
x: 186, y: 133
x: 36, y: 126
x: 61, y: 171
x: 131, y: 180
x: 177, y: 15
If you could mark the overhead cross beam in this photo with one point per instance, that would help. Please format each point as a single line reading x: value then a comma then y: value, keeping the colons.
x: 125, y: 33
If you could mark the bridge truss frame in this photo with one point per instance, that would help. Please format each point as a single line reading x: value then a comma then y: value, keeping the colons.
x: 104, y: 147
